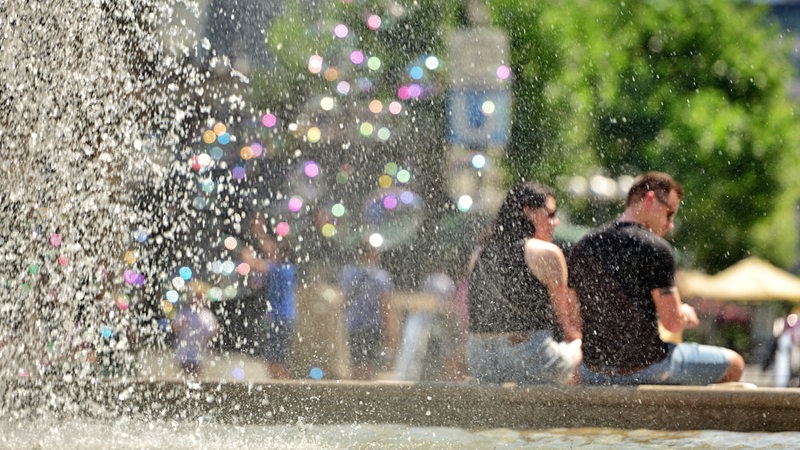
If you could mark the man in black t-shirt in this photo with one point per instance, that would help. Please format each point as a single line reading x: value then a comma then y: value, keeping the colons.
x: 623, y: 275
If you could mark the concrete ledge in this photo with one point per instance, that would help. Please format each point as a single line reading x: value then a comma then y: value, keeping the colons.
x: 727, y: 408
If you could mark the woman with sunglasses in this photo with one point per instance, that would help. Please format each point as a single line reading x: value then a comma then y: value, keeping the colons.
x: 523, y: 326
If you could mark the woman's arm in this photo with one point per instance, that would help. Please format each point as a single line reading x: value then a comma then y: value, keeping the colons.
x: 547, y: 263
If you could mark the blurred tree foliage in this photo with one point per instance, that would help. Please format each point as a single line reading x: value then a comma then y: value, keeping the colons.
x: 696, y: 89
x: 395, y: 54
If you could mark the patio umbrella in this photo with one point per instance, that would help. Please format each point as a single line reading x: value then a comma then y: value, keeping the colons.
x: 751, y: 279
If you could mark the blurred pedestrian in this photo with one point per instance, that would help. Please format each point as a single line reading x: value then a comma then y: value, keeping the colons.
x: 277, y: 292
x: 785, y: 353
x: 194, y: 325
x: 367, y: 289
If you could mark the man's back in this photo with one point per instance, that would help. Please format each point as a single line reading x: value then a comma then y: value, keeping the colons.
x: 613, y: 270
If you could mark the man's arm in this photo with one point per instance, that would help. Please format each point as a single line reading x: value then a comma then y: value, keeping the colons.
x: 672, y: 312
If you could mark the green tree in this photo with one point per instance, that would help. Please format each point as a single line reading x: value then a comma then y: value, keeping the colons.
x: 697, y: 89
x: 369, y: 76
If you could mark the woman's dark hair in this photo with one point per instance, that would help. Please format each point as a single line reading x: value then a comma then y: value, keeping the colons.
x: 511, y: 225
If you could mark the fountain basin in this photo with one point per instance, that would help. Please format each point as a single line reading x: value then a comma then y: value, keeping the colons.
x: 464, y: 405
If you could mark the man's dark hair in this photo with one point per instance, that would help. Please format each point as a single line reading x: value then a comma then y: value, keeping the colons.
x: 658, y: 182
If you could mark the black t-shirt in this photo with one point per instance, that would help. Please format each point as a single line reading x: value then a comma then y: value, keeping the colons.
x: 613, y: 270
x: 504, y: 296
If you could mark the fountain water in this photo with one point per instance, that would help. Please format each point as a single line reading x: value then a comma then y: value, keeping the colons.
x: 132, y: 156
x: 105, y: 197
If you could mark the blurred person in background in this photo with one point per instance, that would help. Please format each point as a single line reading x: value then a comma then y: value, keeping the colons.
x: 367, y: 289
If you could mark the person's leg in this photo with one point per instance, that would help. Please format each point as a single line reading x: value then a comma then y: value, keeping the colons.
x: 735, y: 369
x: 276, y: 348
x: 366, y: 346
x: 696, y: 364
x: 483, y: 356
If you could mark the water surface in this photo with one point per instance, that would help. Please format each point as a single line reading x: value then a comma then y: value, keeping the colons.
x: 167, y: 434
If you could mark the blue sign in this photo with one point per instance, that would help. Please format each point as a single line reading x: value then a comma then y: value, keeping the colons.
x: 478, y: 118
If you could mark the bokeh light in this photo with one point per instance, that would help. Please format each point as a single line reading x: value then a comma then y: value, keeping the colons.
x: 178, y: 283
x: 282, y: 229
x: 328, y: 230
x: 315, y: 64
x: 403, y: 93
x: 331, y: 73
x: 356, y: 57
x: 464, y: 203
x: 215, y: 294
x: 375, y: 106
x: 311, y: 169
x: 238, y: 173
x: 364, y: 84
x: 340, y: 31
x: 478, y: 161
x: 295, y: 204
x: 390, y: 202
x: 403, y: 176
x: 216, y: 153
x: 131, y: 256
x: 122, y: 301
x: 257, y: 149
x: 199, y: 203
x: 390, y: 168
x: 269, y: 120
x: 327, y: 103
x: 373, y: 22
x: 228, y: 267
x: 503, y: 72
x: 432, y: 62
x: 313, y: 134
x: 374, y: 63
x: 385, y: 181
x: 172, y: 296
x: 366, y: 129
x: 185, y: 273
x: 204, y: 159
x: 230, y: 243
x: 375, y: 240
x: 338, y: 210
x: 343, y: 88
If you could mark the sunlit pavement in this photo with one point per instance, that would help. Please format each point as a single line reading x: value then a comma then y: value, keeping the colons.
x: 217, y: 367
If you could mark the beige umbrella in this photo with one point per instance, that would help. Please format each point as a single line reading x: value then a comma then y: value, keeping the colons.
x: 751, y: 279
